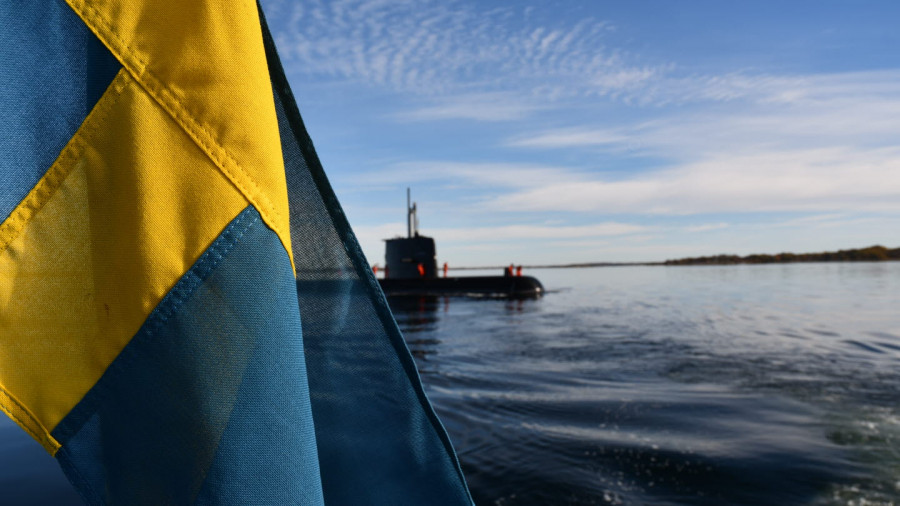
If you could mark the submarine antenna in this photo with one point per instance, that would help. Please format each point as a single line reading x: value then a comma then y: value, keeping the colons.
x: 412, y: 221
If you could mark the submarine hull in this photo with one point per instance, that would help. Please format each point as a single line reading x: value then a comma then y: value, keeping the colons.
x: 481, y: 286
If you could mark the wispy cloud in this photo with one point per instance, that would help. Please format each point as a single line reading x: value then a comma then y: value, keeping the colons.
x: 574, y: 137
x: 479, y: 107
x: 435, y: 47
x: 835, y: 220
x: 503, y: 63
x: 494, y: 176
x: 707, y: 227
x: 858, y: 108
x: 536, y: 232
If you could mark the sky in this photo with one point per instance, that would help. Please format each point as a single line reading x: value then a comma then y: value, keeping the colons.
x: 554, y: 132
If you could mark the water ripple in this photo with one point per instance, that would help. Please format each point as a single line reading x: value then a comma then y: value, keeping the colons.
x: 650, y: 385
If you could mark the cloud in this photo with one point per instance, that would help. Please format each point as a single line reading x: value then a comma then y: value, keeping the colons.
x: 573, y: 137
x: 535, y: 232
x: 835, y: 221
x: 624, y: 79
x: 756, y: 178
x: 825, y: 143
x: 860, y: 108
x: 479, y: 107
x: 504, y: 233
x: 463, y: 60
x: 449, y: 47
x: 824, y: 179
x: 470, y: 61
x: 707, y: 227
x: 493, y: 176
x: 837, y: 179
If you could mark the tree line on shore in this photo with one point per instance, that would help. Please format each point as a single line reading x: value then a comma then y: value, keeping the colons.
x: 870, y: 254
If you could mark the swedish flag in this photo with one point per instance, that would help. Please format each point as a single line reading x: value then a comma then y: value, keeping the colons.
x: 185, y: 314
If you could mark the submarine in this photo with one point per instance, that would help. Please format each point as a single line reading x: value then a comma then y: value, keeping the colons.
x: 411, y: 270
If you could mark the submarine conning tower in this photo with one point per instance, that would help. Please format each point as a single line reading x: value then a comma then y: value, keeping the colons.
x: 413, y: 256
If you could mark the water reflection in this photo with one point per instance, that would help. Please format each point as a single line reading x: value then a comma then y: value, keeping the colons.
x: 418, y: 317
x: 418, y: 313
x: 515, y: 305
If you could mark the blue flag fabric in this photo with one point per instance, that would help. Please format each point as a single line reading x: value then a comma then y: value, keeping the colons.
x: 373, y: 420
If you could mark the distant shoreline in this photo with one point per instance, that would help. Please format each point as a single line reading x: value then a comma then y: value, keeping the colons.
x: 875, y: 253
x: 558, y: 266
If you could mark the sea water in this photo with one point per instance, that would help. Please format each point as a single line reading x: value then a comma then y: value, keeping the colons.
x: 770, y: 384
x: 751, y: 384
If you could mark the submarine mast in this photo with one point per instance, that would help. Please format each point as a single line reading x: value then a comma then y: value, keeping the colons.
x: 412, y: 219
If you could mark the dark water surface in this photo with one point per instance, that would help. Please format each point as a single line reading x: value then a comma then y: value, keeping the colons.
x: 775, y: 384
x: 769, y: 385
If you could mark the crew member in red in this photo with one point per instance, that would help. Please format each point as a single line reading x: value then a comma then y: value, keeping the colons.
x: 446, y: 268
x: 519, y: 271
x: 421, y: 268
